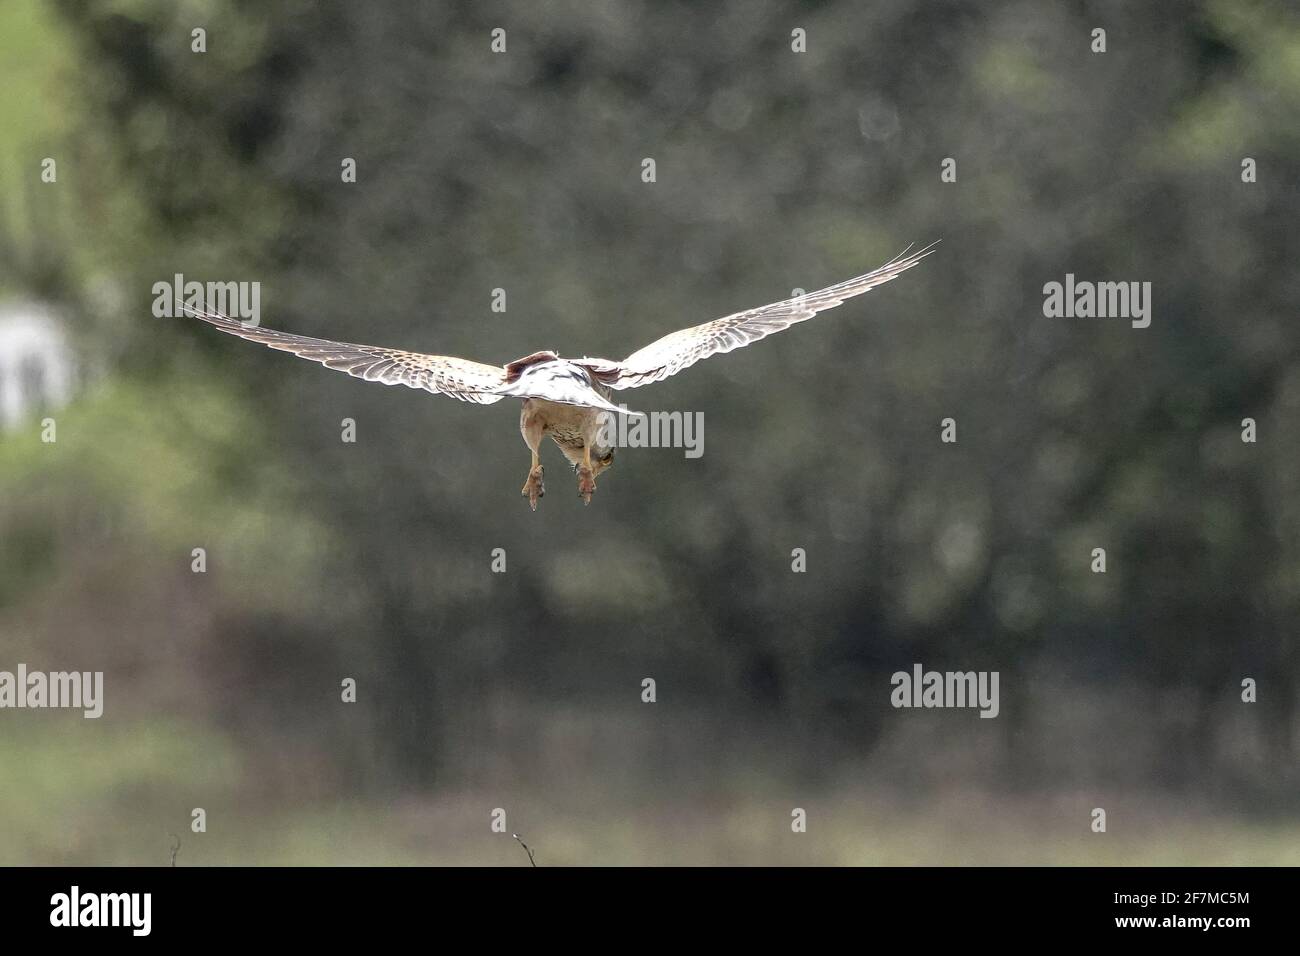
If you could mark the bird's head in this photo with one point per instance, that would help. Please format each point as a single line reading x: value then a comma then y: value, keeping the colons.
x: 601, y: 460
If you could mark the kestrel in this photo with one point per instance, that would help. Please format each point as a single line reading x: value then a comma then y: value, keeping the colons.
x: 566, y: 399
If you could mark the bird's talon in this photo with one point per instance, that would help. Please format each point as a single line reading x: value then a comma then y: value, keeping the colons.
x: 586, y: 484
x: 534, y: 488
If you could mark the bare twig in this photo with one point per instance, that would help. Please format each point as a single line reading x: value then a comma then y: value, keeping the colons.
x: 526, y: 850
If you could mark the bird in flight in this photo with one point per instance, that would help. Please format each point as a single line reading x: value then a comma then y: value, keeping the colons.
x: 566, y: 399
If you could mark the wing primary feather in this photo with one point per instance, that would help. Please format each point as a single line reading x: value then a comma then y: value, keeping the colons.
x: 682, y: 349
x: 457, y: 378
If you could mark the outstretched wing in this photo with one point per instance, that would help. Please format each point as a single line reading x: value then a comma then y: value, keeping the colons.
x: 441, y: 374
x: 672, y: 353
